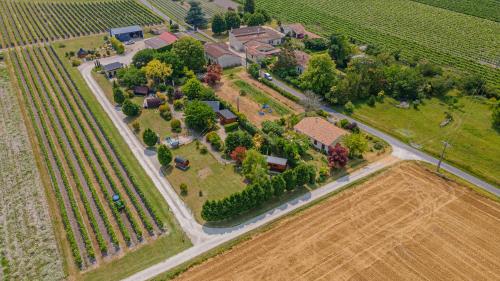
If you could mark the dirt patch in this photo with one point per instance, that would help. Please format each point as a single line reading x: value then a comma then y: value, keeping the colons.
x: 247, y: 106
x: 204, y: 173
x: 405, y: 223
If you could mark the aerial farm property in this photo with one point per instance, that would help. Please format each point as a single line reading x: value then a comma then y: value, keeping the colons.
x: 249, y: 140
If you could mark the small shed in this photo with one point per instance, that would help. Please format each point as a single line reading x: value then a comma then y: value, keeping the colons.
x: 82, y: 53
x: 141, y: 90
x: 226, y: 116
x: 276, y: 163
x: 214, y: 105
x: 126, y: 33
x: 111, y: 69
x: 181, y: 163
x: 152, y: 102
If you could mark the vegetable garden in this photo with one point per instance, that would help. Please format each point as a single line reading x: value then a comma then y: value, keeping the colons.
x: 467, y: 43
x: 25, y: 22
x: 83, y: 164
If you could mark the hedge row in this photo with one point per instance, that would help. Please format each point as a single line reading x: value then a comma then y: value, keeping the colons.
x: 284, y: 93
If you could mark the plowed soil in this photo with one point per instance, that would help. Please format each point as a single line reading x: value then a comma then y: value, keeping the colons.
x: 403, y: 224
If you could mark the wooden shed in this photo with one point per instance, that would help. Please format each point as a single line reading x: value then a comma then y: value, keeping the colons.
x: 276, y: 164
x: 181, y: 163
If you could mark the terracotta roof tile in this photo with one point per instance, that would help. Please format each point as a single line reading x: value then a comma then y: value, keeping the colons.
x: 319, y: 129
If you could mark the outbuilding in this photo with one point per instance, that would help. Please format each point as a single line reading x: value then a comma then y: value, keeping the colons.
x: 321, y: 133
x: 111, y: 69
x: 152, y: 102
x: 226, y: 116
x: 219, y: 53
x: 181, y: 163
x: 126, y: 33
x: 141, y: 90
x: 276, y: 164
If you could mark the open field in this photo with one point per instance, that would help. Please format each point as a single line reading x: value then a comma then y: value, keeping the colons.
x: 404, y: 223
x: 27, y: 239
x: 475, y: 145
x: 414, y: 28
x: 25, y: 22
x: 86, y: 169
x: 487, y: 9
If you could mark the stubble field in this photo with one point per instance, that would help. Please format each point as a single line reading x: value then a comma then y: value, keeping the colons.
x: 405, y: 223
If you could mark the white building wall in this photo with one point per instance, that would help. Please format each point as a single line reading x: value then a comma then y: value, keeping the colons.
x: 229, y: 61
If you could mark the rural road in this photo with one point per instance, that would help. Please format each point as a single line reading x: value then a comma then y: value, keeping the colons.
x: 399, y: 147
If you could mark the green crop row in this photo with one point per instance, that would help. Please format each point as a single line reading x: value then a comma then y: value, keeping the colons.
x: 26, y: 88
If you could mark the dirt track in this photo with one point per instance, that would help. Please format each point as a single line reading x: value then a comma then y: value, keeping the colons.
x: 405, y: 223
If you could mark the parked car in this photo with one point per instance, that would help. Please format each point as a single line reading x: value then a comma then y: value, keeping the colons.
x: 268, y: 76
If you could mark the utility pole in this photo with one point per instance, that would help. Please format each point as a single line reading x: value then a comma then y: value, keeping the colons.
x: 446, y: 144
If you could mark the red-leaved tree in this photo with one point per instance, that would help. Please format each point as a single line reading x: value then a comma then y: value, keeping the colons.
x: 338, y: 156
x: 239, y: 154
x: 214, y: 74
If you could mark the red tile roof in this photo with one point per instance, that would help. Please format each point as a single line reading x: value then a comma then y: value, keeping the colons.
x: 168, y: 37
x: 217, y: 50
x: 319, y: 129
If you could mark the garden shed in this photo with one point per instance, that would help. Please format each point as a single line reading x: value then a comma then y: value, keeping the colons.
x: 181, y: 163
x: 152, y: 102
x: 111, y: 69
x: 141, y: 90
x: 226, y: 116
x: 276, y: 163
x: 126, y: 33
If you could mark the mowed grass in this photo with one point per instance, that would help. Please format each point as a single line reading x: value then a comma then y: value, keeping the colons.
x: 145, y: 256
x: 261, y: 98
x: 475, y: 145
x: 214, y: 179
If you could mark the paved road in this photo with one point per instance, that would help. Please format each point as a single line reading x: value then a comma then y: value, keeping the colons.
x: 399, y: 146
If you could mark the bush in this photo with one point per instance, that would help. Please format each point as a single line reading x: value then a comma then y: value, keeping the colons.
x: 176, y: 125
x: 184, y: 189
x: 136, y: 126
x: 178, y: 105
x: 76, y: 62
x: 378, y: 146
x: 316, y: 44
x: 164, y: 155
x: 167, y: 115
x: 323, y: 113
x: 344, y: 123
x: 203, y: 150
x: 164, y: 107
x: 214, y: 139
x: 231, y: 127
x: 149, y: 137
x: 349, y: 107
x: 279, y: 90
x: 130, y: 109
x: 253, y: 70
x: 371, y: 101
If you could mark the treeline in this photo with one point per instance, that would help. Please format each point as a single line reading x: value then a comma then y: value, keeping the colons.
x: 258, y: 193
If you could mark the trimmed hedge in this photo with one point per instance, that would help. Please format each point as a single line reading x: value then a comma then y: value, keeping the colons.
x: 284, y: 93
x: 231, y: 127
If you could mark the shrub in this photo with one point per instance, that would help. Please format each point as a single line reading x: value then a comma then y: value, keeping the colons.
x: 324, y: 172
x: 214, y: 139
x: 164, y: 107
x: 136, y: 126
x: 203, y: 150
x: 176, y: 125
x: 178, y: 105
x: 231, y: 127
x: 349, y: 107
x: 279, y: 90
x: 378, y: 146
x: 167, y: 115
x: 371, y: 101
x: 253, y: 70
x: 184, y: 189
x: 162, y: 87
x: 118, y: 95
x: 76, y: 62
x: 130, y: 109
x: 164, y: 155
x: 323, y: 113
x: 344, y: 123
x: 149, y: 137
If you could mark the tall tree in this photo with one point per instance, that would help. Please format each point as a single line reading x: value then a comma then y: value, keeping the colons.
x: 195, y: 16
x: 356, y: 143
x: 130, y: 108
x: 256, y: 19
x: 249, y: 6
x: 213, y: 75
x: 238, y: 138
x: 199, y: 115
x: 286, y: 60
x: 232, y: 20
x: 118, y: 95
x: 131, y: 76
x: 320, y: 74
x: 191, y: 53
x: 149, y: 137
x: 192, y: 89
x: 254, y: 166
x: 338, y: 156
x: 157, y: 71
x: 172, y: 59
x: 141, y: 58
x: 238, y: 154
x: 164, y: 155
x: 218, y: 24
x: 339, y: 49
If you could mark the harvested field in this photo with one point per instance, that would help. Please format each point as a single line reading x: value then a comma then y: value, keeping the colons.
x: 403, y: 224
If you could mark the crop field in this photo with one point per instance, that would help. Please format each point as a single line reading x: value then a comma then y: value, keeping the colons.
x: 27, y: 239
x: 178, y: 12
x: 488, y: 9
x: 25, y: 22
x: 448, y: 38
x: 405, y: 223
x: 84, y: 167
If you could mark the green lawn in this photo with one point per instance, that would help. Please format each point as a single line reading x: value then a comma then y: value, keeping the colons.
x: 261, y: 97
x: 175, y: 241
x: 206, y: 174
x: 475, y: 145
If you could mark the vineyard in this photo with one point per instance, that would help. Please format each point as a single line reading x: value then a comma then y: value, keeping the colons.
x: 487, y: 9
x: 25, y: 22
x: 444, y: 37
x: 178, y: 12
x: 84, y: 166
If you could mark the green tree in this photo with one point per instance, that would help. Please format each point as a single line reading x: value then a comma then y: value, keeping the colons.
x: 403, y: 82
x: 320, y: 75
x: 254, y: 167
x: 190, y: 52
x: 238, y: 138
x: 218, y: 24
x: 356, y: 143
x: 339, y: 50
x: 256, y: 19
x: 495, y: 116
x: 131, y: 77
x: 157, y: 71
x: 195, y: 16
x: 286, y: 60
x: 118, y: 95
x: 117, y: 45
x: 249, y: 6
x: 279, y: 185
x: 265, y: 14
x: 130, y: 108
x: 149, y: 137
x: 164, y: 155
x: 192, y: 89
x: 253, y: 70
x: 143, y: 57
x: 232, y: 20
x: 290, y: 177
x: 199, y: 115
